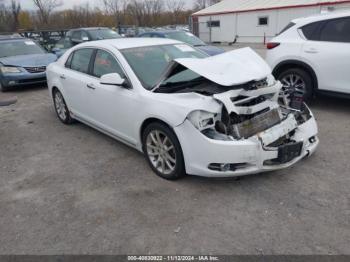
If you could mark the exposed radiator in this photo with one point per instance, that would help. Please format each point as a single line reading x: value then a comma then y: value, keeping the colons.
x: 257, y: 124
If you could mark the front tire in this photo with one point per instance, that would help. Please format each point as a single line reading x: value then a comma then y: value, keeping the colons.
x: 163, y: 151
x: 61, y: 108
x: 297, y: 80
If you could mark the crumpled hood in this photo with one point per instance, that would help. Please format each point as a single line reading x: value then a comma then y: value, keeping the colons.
x: 29, y: 60
x: 230, y: 68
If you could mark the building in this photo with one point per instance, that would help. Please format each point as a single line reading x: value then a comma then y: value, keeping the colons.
x: 255, y: 21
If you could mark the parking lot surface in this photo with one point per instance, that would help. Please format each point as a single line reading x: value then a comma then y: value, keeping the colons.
x: 72, y: 190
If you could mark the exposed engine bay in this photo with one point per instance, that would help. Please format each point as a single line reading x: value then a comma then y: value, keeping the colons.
x: 239, y: 122
x: 248, y: 110
x: 263, y: 116
x: 250, y: 106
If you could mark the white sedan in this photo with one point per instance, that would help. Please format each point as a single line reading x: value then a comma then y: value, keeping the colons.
x: 188, y: 113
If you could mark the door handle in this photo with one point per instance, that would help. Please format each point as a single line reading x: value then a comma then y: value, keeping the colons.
x: 91, y: 86
x: 311, y: 51
x: 63, y: 77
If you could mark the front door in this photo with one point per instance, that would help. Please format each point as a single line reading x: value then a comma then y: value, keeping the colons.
x: 110, y: 106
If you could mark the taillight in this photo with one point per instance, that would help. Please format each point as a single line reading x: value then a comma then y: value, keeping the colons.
x: 272, y: 45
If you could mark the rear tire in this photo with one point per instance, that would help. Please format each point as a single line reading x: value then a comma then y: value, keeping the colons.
x: 61, y: 108
x: 296, y: 79
x: 163, y: 151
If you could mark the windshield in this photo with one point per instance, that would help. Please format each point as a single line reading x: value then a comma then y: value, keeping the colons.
x: 186, y: 38
x: 99, y: 34
x: 22, y: 47
x: 149, y: 63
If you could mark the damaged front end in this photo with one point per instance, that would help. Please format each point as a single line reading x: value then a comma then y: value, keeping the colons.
x: 259, y: 115
x: 254, y: 130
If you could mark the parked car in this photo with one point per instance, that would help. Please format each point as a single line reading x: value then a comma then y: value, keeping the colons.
x: 312, y: 55
x: 22, y: 62
x: 80, y: 35
x: 187, y: 38
x: 189, y: 113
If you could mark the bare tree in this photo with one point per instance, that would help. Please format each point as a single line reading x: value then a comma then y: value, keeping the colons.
x: 153, y: 9
x: 136, y: 8
x: 5, y: 17
x: 115, y: 8
x: 176, y: 7
x: 15, y: 10
x: 201, y: 4
x: 45, y: 8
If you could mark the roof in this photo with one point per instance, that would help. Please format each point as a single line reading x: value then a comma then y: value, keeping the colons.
x: 321, y: 17
x: 125, y: 43
x: 238, y: 6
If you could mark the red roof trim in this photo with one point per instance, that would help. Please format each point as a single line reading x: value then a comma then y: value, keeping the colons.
x: 273, y: 8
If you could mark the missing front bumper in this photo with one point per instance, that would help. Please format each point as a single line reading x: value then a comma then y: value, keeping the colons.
x: 287, y: 153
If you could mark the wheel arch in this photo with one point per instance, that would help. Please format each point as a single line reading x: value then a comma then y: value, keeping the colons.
x: 296, y: 64
x: 149, y: 121
x: 53, y: 89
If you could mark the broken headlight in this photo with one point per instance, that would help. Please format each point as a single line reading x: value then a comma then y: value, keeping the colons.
x: 202, y: 120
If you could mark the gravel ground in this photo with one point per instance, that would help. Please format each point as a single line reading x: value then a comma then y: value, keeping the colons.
x: 72, y: 190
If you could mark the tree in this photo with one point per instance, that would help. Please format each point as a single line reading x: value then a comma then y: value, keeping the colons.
x: 201, y: 4
x: 25, y: 21
x: 115, y: 8
x: 153, y: 9
x: 136, y: 9
x: 15, y: 10
x: 176, y: 7
x: 45, y: 8
x: 5, y: 17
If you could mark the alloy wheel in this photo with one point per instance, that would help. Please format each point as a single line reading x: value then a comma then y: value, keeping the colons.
x: 161, y: 152
x: 60, y: 106
x: 293, y: 83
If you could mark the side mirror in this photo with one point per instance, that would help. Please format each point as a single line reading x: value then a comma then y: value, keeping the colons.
x: 113, y: 79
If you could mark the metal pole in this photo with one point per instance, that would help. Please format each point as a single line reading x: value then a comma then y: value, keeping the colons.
x: 210, y: 28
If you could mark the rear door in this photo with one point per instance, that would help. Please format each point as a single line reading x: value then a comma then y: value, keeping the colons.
x: 328, y: 50
x: 75, y: 79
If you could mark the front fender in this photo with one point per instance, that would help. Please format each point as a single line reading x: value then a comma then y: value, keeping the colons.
x: 174, y: 108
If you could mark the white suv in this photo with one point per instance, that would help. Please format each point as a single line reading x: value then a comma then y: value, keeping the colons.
x: 313, y: 55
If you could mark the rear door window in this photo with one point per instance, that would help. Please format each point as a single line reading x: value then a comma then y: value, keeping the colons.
x: 81, y: 60
x: 337, y: 30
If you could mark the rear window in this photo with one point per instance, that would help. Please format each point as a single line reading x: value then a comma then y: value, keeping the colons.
x: 290, y: 25
x: 81, y: 60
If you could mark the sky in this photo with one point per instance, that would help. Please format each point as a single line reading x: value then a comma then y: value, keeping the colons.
x: 28, y: 4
